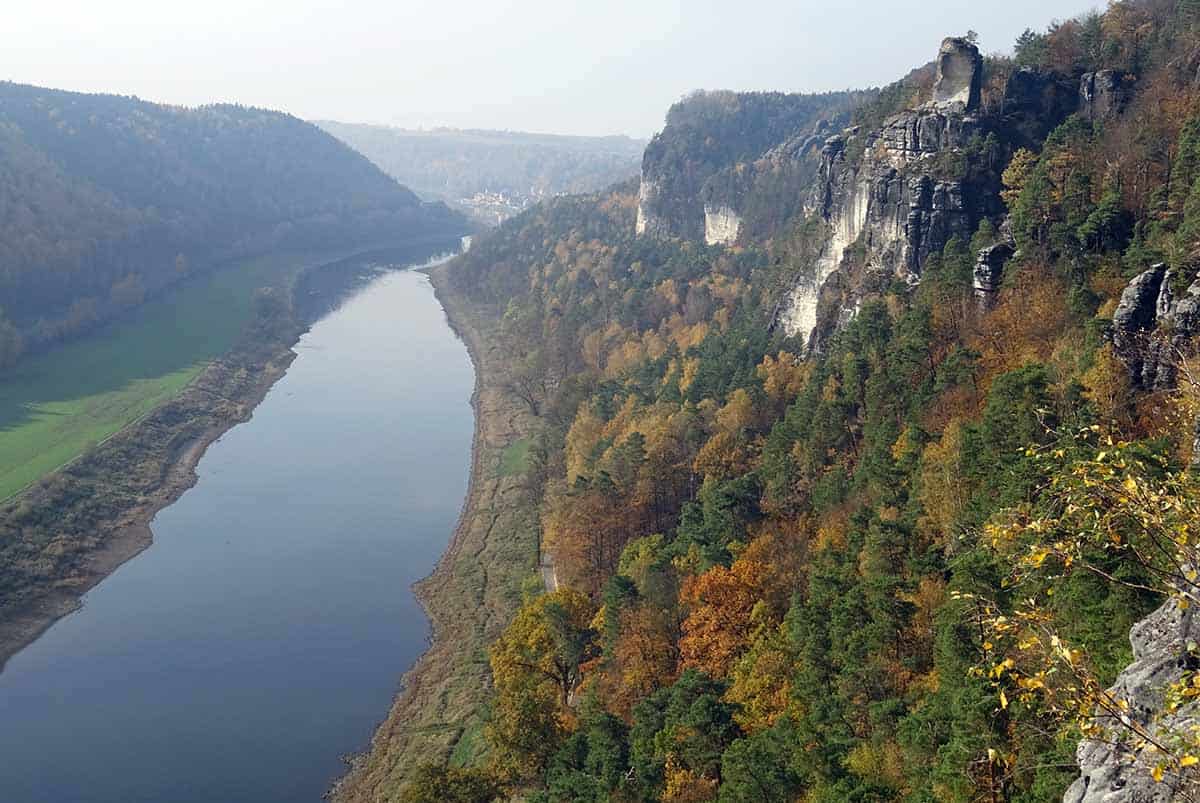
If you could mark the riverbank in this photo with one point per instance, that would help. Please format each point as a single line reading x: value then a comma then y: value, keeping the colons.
x: 69, y: 530
x: 472, y: 593
x: 72, y: 529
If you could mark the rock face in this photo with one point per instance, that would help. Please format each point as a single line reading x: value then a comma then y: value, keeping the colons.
x: 1154, y: 327
x: 714, y: 138
x: 1116, y: 771
x: 1101, y: 94
x: 1034, y: 103
x: 892, y: 197
x: 721, y: 225
x: 648, y: 221
x: 892, y: 201
x: 959, y: 75
x: 989, y: 265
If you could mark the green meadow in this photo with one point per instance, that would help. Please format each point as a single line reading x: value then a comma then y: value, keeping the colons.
x: 55, y: 405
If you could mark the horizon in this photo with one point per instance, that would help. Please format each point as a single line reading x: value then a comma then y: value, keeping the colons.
x: 530, y: 67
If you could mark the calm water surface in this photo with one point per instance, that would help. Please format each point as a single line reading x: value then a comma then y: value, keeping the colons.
x: 263, y: 634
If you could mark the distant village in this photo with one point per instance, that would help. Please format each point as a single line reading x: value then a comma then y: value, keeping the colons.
x: 493, y: 208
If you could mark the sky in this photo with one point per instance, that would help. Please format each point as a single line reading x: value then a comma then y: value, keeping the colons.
x: 590, y: 67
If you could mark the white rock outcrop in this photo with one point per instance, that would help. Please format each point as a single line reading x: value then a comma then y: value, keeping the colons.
x: 721, y: 225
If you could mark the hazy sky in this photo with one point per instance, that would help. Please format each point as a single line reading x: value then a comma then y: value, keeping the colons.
x: 596, y: 67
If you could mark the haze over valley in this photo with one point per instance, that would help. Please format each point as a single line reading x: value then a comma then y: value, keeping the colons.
x: 638, y: 402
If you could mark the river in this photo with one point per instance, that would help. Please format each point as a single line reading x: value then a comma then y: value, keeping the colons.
x: 263, y: 634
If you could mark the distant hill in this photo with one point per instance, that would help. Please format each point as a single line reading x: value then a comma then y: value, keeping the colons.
x: 105, y: 199
x: 492, y: 174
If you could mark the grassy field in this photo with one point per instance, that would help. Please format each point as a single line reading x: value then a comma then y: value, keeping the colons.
x: 53, y: 406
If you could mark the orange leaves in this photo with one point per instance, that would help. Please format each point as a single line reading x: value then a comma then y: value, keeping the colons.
x: 644, y: 659
x: 1026, y: 325
x: 722, y: 606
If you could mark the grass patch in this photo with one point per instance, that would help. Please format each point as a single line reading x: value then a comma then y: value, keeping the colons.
x: 55, y: 405
x: 514, y: 460
x: 471, y: 746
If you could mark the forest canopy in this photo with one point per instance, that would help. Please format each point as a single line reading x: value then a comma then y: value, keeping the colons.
x: 104, y: 199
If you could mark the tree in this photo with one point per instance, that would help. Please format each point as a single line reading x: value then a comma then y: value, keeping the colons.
x: 722, y: 602
x: 1030, y: 49
x: 592, y: 763
x: 1016, y: 175
x: 536, y: 665
x: 679, y: 735
x: 1116, y: 523
x: 434, y: 783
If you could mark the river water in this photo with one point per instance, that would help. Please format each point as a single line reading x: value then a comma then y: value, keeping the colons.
x: 263, y: 634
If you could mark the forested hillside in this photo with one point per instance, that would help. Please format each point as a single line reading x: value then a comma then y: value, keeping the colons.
x: 106, y: 199
x: 492, y: 174
x: 862, y: 505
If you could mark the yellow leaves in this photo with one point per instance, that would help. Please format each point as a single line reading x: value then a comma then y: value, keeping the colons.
x: 1037, y: 556
x: 783, y: 376
x: 738, y: 413
x: 1017, y: 174
x: 1189, y: 761
x: 684, y: 785
x: 1003, y: 699
x: 881, y: 764
x: 760, y: 682
x: 1157, y: 773
x: 691, y: 366
x: 942, y: 492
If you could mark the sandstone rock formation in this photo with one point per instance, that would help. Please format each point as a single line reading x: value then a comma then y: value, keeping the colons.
x: 959, y: 75
x: 989, y: 265
x: 1035, y: 102
x: 1118, y: 770
x: 648, y: 220
x: 1101, y: 94
x: 705, y: 155
x: 1154, y: 328
x: 721, y: 225
x: 893, y: 200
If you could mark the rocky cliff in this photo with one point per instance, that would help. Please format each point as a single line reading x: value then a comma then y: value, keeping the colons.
x: 890, y: 192
x: 890, y: 198
x: 1154, y: 327
x: 1120, y: 768
x: 697, y: 172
